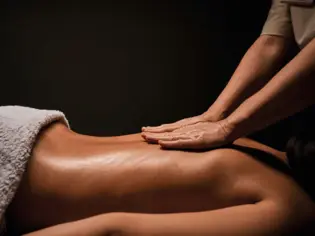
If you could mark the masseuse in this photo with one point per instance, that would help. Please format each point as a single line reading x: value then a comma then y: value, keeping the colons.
x: 260, y: 92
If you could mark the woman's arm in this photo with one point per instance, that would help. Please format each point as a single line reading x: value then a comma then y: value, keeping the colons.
x: 265, y: 218
x: 99, y: 225
x: 261, y: 219
x: 290, y: 91
x: 257, y: 67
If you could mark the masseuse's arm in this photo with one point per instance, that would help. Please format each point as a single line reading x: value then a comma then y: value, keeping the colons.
x: 260, y: 62
x: 257, y: 66
x: 288, y: 92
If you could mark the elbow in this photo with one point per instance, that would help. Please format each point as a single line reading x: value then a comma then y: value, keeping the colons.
x: 274, y: 41
x: 274, y: 45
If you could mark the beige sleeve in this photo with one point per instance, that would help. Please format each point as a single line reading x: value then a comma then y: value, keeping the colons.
x: 278, y: 21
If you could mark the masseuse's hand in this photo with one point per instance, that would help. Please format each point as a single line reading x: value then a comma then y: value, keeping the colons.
x: 201, y: 135
x: 176, y: 125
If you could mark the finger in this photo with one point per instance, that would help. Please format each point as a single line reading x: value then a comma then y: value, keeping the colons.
x: 154, y: 137
x: 148, y: 139
x: 172, y: 126
x: 181, y: 144
x: 160, y: 128
x: 166, y: 137
x: 143, y: 136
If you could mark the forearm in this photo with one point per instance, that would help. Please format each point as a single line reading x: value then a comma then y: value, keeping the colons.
x: 227, y: 221
x: 258, y: 65
x: 290, y: 91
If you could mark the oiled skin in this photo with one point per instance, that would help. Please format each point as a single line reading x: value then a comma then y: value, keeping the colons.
x: 72, y: 176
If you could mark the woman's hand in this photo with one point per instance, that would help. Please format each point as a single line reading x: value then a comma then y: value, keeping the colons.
x: 176, y: 125
x: 209, y: 115
x: 200, y: 135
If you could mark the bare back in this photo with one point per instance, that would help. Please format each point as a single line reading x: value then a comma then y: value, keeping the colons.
x: 72, y: 176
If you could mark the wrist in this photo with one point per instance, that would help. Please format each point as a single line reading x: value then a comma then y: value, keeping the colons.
x: 214, y: 116
x: 236, y: 127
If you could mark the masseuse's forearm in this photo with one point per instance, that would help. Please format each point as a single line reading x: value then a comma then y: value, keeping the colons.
x: 289, y: 91
x: 255, y: 69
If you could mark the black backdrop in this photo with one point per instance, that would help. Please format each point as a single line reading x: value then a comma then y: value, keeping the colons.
x: 116, y: 66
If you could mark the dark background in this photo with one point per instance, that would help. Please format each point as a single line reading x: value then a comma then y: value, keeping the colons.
x: 119, y: 65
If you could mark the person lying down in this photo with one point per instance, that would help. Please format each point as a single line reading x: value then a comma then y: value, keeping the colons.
x: 55, y: 181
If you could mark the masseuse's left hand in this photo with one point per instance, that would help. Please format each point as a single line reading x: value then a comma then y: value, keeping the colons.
x: 196, y: 136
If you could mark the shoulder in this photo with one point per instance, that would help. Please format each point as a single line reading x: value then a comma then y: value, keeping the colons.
x: 246, y: 155
x: 260, y: 168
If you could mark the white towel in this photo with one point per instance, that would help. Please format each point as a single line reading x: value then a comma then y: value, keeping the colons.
x: 19, y: 127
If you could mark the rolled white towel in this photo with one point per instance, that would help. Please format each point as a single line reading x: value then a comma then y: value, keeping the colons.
x: 19, y: 127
